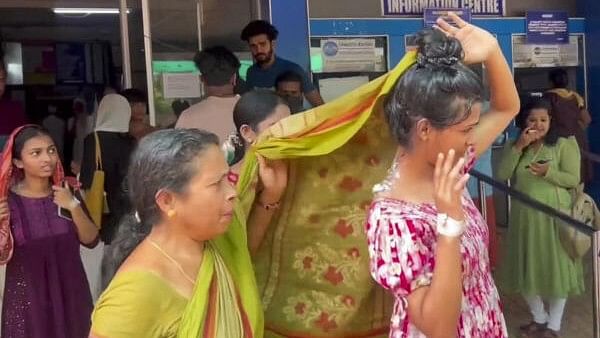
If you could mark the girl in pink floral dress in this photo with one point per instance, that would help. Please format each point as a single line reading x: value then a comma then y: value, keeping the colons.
x: 427, y: 241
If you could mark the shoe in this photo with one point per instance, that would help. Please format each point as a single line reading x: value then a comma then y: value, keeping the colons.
x: 532, y: 330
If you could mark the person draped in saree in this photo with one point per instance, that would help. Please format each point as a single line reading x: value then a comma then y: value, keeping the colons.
x: 191, y: 274
x: 308, y: 246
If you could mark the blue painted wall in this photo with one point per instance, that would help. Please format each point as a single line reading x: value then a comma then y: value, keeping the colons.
x: 590, y: 10
x: 291, y: 19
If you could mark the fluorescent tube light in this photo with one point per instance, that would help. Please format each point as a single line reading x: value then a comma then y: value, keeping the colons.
x: 86, y: 10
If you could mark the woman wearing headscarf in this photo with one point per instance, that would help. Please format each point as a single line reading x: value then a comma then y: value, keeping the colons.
x: 42, y: 224
x: 116, y: 145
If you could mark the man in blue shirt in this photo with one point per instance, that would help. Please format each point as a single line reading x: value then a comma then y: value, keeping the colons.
x: 261, y: 37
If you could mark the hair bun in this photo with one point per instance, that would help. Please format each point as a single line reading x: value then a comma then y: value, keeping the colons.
x: 437, y: 50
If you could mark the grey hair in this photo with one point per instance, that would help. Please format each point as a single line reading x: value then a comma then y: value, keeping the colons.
x: 163, y: 160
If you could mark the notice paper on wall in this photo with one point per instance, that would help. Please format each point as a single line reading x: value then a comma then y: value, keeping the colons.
x: 543, y: 55
x: 334, y: 87
x: 547, y: 27
x: 349, y: 55
x: 181, y: 85
x: 430, y: 15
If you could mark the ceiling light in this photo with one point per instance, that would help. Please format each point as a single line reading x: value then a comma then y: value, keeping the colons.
x: 86, y: 10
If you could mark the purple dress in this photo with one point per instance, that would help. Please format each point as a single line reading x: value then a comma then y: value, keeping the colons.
x: 46, y: 293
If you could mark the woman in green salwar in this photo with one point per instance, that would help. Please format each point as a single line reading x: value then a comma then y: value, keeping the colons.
x: 190, y: 273
x: 543, y: 166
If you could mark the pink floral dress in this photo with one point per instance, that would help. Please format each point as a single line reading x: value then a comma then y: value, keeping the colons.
x: 402, y: 242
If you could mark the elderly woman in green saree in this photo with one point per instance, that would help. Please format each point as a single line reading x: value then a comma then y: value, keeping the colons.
x: 308, y: 243
x: 190, y: 273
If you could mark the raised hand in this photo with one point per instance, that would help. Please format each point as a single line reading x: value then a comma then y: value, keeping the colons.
x: 527, y: 137
x: 273, y: 176
x: 477, y: 43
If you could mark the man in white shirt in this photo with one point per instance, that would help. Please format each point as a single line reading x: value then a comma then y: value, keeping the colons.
x: 219, y: 69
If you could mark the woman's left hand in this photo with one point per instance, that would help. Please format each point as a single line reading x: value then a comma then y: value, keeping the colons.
x: 63, y: 197
x: 539, y: 169
x: 273, y: 175
x: 477, y: 43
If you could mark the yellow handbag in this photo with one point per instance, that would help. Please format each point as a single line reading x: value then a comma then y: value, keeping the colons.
x: 95, y: 197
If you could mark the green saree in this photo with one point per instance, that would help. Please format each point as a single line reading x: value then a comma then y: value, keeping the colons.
x: 225, y: 294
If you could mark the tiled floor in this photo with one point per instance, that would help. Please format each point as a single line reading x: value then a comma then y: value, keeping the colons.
x: 578, y: 318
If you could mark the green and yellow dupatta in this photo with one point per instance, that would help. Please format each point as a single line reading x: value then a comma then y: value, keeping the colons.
x: 312, y: 268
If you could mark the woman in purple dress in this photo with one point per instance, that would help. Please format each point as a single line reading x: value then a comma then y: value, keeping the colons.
x: 46, y: 292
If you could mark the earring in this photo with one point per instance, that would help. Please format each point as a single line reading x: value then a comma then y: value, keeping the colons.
x: 171, y: 213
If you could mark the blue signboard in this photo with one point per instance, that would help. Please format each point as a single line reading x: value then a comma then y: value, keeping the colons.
x: 547, y: 27
x: 417, y: 7
x: 430, y: 15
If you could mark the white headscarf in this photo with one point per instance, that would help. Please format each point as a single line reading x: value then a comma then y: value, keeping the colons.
x: 114, y: 114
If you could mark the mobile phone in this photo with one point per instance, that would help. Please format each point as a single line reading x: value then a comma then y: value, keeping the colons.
x: 62, y: 212
x: 539, y: 162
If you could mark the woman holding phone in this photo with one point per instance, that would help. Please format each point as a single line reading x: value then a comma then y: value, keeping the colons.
x: 41, y: 226
x: 543, y: 166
